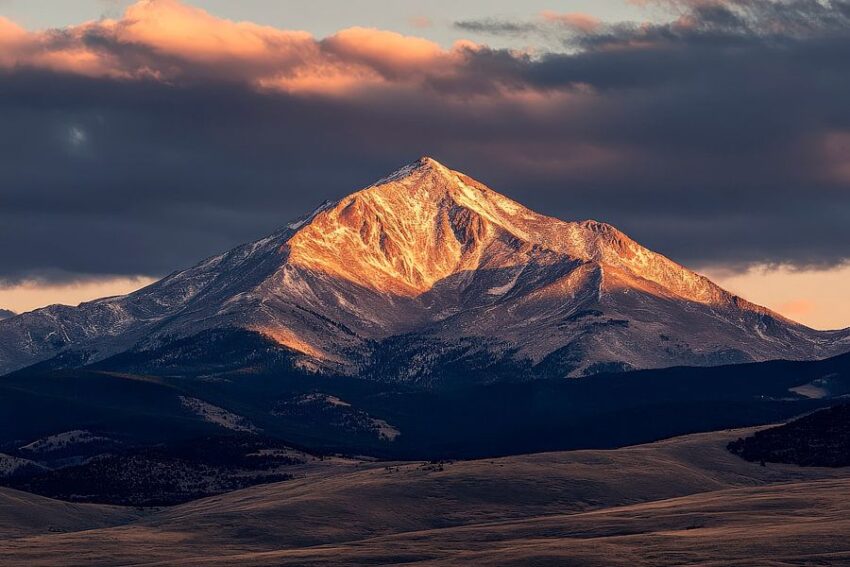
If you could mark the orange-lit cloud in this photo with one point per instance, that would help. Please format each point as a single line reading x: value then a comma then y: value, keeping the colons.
x: 54, y: 50
x: 171, y: 41
x: 421, y: 22
x: 797, y: 308
x: 174, y: 28
x: 32, y: 294
x: 11, y: 34
x: 575, y: 20
x: 817, y: 298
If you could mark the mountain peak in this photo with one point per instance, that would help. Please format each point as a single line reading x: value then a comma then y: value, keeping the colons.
x: 414, y: 228
x: 428, y: 180
x: 426, y: 223
x: 428, y: 161
x: 433, y: 254
x: 426, y: 176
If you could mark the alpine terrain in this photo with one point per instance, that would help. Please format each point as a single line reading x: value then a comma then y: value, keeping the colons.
x: 424, y: 277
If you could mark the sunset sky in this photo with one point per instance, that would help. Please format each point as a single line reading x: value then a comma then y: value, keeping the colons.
x: 140, y: 137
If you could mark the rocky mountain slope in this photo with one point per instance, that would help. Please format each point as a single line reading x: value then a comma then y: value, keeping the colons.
x: 427, y: 269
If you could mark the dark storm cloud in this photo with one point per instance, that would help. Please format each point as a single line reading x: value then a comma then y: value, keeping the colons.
x: 722, y: 137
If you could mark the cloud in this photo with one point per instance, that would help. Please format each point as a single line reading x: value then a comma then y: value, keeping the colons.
x: 814, y: 297
x: 31, y: 294
x: 796, y: 308
x: 138, y: 145
x: 550, y: 25
x: 176, y: 43
x: 575, y: 20
x: 496, y: 26
x: 421, y: 22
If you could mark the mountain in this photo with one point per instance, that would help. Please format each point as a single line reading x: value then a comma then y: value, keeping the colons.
x: 112, y: 436
x: 5, y: 313
x: 428, y: 276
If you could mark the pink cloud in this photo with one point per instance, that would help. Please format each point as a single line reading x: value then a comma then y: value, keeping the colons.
x: 577, y: 21
x: 797, y: 308
x: 171, y: 27
x: 170, y: 41
x: 56, y: 50
x: 10, y: 32
x: 384, y: 50
x: 421, y: 22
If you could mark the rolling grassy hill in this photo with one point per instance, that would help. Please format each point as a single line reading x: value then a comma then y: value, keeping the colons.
x: 682, y: 500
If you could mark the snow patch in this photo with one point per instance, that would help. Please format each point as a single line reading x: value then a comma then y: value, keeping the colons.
x: 341, y: 413
x: 396, y: 175
x: 385, y: 430
x: 326, y: 398
x: 810, y: 391
x: 503, y: 289
x: 62, y: 441
x: 814, y: 390
x: 304, y: 220
x: 218, y: 416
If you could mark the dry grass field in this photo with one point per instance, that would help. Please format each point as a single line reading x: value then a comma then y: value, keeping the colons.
x: 681, y: 501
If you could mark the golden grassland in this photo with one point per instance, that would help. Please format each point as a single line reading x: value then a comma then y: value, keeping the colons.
x: 680, y: 501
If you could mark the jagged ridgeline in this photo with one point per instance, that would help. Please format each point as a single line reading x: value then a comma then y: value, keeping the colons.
x: 428, y: 276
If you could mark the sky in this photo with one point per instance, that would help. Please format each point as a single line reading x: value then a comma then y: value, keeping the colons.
x: 433, y: 19
x: 140, y: 137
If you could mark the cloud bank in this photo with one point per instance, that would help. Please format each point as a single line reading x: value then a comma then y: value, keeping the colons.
x: 138, y: 145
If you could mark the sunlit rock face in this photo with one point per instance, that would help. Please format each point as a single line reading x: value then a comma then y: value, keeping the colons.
x: 428, y: 267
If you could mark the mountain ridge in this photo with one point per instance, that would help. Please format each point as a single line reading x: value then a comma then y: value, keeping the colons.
x: 431, y: 253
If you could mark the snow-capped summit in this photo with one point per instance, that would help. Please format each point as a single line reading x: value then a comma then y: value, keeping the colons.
x: 426, y: 222
x: 435, y: 268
